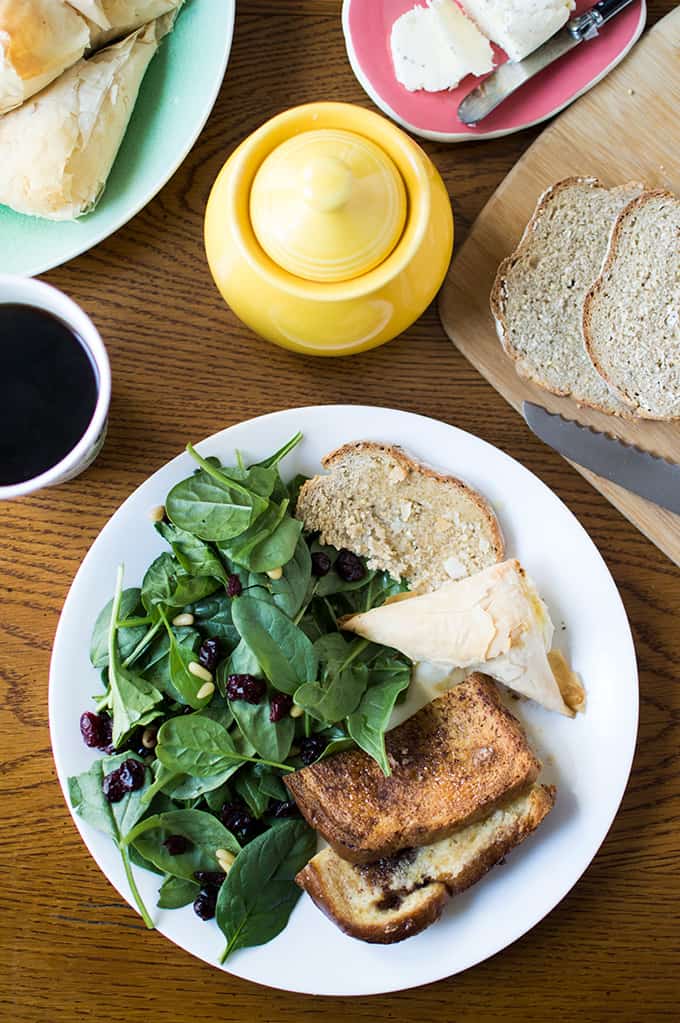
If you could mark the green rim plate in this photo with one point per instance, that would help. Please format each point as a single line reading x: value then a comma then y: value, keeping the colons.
x: 176, y: 97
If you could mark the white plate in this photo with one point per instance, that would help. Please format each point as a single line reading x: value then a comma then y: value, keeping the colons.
x: 589, y: 758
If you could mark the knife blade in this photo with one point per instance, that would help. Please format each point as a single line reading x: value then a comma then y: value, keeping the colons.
x: 509, y: 77
x: 645, y: 474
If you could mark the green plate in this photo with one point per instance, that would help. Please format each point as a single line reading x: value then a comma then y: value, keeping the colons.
x: 176, y: 97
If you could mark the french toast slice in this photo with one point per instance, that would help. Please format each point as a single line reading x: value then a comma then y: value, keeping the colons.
x: 400, y: 896
x: 452, y: 762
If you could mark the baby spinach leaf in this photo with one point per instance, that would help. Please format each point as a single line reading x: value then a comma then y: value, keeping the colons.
x: 213, y: 617
x: 134, y: 701
x: 285, y: 449
x: 195, y: 745
x: 159, y: 582
x: 155, y: 665
x: 183, y: 681
x: 335, y: 698
x: 176, y: 892
x: 271, y: 740
x: 294, y: 487
x: 270, y: 543
x: 128, y: 638
x: 284, y: 653
x: 204, y: 835
x: 259, y: 894
x: 289, y: 592
x: 114, y: 819
x: 194, y: 555
x: 248, y: 786
x: 332, y: 583
x: 219, y: 504
x: 367, y: 724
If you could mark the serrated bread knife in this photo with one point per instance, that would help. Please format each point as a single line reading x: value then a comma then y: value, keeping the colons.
x: 647, y: 475
x: 507, y: 78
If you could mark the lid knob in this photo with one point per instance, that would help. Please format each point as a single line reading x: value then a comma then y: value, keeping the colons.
x: 327, y: 183
x: 328, y: 205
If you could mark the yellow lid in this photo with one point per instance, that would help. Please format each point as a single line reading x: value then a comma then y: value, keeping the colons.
x: 328, y: 205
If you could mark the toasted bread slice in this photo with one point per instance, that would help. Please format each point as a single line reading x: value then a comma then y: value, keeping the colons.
x: 398, y: 897
x: 405, y: 518
x: 451, y: 763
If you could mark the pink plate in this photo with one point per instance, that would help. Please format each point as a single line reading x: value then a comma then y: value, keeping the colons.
x: 367, y: 25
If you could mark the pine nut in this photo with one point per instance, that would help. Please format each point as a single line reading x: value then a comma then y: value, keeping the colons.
x: 225, y: 859
x: 184, y: 619
x: 149, y: 738
x: 275, y: 573
x: 200, y: 672
x: 295, y: 711
x: 206, y: 690
x: 157, y: 514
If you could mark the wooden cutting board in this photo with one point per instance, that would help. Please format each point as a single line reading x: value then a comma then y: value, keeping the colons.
x: 626, y: 128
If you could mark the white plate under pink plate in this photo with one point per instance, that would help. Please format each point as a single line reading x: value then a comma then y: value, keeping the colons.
x: 588, y: 758
x: 367, y: 26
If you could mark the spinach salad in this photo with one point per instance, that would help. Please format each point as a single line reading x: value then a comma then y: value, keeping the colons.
x: 223, y: 672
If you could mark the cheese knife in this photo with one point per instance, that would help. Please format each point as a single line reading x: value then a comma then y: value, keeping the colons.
x: 645, y: 474
x: 507, y: 78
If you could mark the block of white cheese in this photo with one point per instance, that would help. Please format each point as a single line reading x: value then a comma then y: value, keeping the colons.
x: 519, y: 26
x: 494, y: 622
x: 434, y: 47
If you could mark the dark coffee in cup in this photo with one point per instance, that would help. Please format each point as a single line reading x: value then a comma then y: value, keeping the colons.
x: 49, y: 386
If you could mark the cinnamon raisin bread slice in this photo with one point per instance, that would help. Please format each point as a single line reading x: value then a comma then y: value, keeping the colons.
x: 405, y: 518
x: 395, y: 898
x: 537, y: 297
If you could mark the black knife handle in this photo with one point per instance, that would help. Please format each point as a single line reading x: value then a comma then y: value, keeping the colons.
x: 588, y: 24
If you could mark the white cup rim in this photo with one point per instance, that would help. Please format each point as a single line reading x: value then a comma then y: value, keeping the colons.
x: 29, y: 291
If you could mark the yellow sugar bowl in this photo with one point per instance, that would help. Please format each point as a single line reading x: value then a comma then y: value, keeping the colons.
x: 328, y: 231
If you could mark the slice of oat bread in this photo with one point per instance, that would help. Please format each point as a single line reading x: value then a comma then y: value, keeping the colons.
x: 631, y: 315
x: 403, y: 517
x: 537, y: 297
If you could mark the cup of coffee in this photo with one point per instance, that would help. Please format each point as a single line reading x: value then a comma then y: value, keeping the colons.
x: 55, y: 387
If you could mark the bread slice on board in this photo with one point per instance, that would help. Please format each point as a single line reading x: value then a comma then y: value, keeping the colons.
x: 405, y: 518
x: 398, y: 897
x: 537, y: 297
x: 451, y: 763
x: 631, y: 315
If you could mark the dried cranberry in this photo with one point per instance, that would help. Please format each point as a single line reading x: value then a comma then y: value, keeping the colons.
x: 210, y: 878
x: 279, y: 706
x: 234, y: 588
x: 321, y: 564
x: 95, y: 730
x: 205, y: 903
x: 349, y: 567
x: 311, y: 748
x: 208, y: 653
x: 132, y: 774
x: 113, y: 787
x: 236, y: 819
x: 283, y: 808
x: 176, y: 844
x: 246, y: 687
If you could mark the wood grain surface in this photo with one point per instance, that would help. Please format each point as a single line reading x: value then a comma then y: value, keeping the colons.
x: 633, y: 111
x: 184, y: 367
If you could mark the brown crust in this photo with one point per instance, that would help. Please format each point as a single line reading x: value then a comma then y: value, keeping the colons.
x: 400, y: 924
x: 610, y: 259
x: 451, y: 763
x: 410, y: 465
x: 496, y: 299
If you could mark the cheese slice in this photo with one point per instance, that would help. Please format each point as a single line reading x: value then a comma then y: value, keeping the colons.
x: 434, y: 47
x: 493, y: 622
x: 519, y: 26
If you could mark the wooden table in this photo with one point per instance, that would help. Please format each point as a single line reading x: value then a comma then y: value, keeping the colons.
x: 184, y: 367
